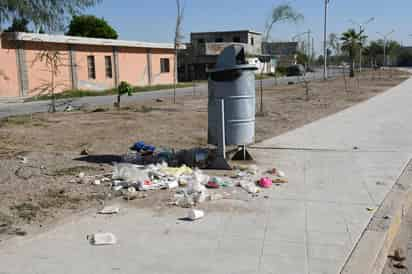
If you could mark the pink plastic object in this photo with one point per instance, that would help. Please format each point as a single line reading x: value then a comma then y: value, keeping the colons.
x: 265, y: 183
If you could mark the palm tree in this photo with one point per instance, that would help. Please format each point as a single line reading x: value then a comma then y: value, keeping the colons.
x: 351, y: 42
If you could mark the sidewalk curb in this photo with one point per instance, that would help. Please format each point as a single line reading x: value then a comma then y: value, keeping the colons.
x: 370, y: 253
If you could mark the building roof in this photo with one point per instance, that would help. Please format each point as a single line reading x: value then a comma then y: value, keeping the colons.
x: 63, y: 39
x: 227, y: 31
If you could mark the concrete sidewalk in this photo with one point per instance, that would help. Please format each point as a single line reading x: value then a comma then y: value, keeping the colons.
x: 309, y: 225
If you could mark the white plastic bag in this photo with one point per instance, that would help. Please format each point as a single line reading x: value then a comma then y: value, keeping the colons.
x: 249, y: 187
x: 129, y: 173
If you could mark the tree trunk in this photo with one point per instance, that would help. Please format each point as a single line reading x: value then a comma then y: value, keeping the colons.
x: 352, y: 69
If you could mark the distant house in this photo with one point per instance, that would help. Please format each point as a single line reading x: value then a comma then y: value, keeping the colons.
x: 285, y: 52
x: 265, y: 64
x: 204, y: 47
x: 85, y: 63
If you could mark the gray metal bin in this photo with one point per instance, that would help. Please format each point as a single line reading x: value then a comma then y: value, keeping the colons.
x: 232, y: 100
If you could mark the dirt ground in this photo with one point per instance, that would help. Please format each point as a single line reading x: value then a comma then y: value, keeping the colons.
x: 36, y: 192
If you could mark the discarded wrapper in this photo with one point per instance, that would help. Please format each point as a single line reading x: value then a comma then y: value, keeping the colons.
x: 280, y: 173
x: 249, y: 187
x: 172, y: 184
x: 110, y: 210
x: 195, y: 214
x: 102, y: 239
x: 280, y: 181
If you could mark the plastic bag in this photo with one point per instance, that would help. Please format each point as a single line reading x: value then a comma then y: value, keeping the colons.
x: 249, y: 187
x: 129, y: 173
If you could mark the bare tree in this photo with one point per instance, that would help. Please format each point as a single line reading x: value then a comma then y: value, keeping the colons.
x: 281, y: 13
x: 306, y: 85
x: 180, y: 6
x: 53, y: 59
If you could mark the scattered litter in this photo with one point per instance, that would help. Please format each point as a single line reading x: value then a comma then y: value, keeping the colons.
x: 212, y: 185
x: 141, y: 146
x: 81, y: 175
x: 110, y: 210
x: 249, y: 187
x: 117, y: 188
x: 149, y: 185
x: 22, y: 159
x: 131, y: 190
x: 399, y: 266
x: 69, y: 108
x: 185, y: 201
x: 97, y: 182
x: 176, y: 171
x: 276, y: 172
x: 159, y: 100
x: 215, y: 197
x: 265, y: 183
x: 129, y: 173
x: 130, y: 196
x: 102, y: 239
x: 380, y: 183
x: 266, y: 197
x: 85, y: 152
x: 172, y: 184
x: 398, y: 255
x: 370, y: 209
x: 279, y: 181
x: 195, y: 214
x: 281, y: 174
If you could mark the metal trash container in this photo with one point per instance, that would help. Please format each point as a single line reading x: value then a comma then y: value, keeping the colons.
x: 232, y: 102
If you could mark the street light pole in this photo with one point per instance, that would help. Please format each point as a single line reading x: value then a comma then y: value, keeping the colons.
x: 362, y: 27
x: 385, y: 41
x: 325, y: 61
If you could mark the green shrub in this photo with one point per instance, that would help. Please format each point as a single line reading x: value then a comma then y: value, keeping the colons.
x: 125, y: 88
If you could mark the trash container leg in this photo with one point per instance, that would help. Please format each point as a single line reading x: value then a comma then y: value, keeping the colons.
x: 242, y: 154
x: 220, y: 160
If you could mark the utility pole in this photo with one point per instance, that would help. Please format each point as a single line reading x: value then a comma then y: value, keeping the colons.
x: 362, y: 27
x: 325, y: 55
x: 308, y: 48
x: 385, y: 41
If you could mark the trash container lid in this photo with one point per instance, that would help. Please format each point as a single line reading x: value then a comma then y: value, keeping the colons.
x: 232, y: 58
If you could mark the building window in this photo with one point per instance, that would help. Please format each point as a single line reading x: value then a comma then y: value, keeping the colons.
x: 91, y: 67
x: 219, y: 40
x: 236, y: 39
x: 109, y: 68
x: 252, y: 41
x: 201, y: 41
x: 164, y: 65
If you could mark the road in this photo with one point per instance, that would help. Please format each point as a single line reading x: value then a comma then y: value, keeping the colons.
x: 11, y: 109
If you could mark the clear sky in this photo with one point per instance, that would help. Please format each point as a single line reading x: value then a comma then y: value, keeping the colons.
x: 154, y: 20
